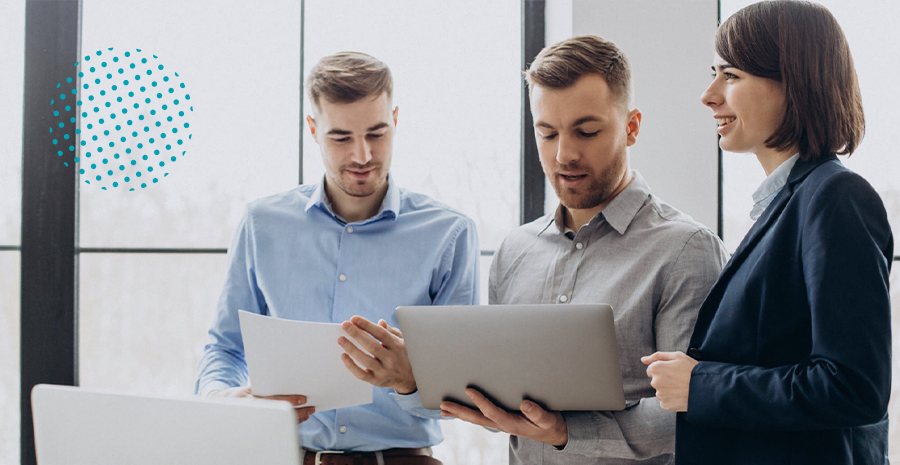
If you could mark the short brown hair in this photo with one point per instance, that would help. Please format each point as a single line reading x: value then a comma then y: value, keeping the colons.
x: 562, y: 64
x: 800, y: 45
x: 347, y: 77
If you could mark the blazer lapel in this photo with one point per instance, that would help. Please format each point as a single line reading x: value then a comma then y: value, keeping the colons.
x: 799, y: 172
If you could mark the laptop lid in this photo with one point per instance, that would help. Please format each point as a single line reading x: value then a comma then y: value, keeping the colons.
x: 74, y: 426
x: 563, y: 357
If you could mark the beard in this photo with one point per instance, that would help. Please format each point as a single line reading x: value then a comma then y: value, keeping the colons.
x: 355, y: 188
x: 599, y: 190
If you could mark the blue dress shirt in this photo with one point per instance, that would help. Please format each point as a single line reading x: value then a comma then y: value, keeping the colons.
x: 292, y: 257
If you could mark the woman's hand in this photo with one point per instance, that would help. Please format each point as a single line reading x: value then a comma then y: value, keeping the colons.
x: 670, y: 375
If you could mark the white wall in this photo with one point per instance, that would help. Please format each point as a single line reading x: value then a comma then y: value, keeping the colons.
x: 670, y: 46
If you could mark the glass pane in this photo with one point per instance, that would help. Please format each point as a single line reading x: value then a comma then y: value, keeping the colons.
x: 870, y: 28
x: 241, y: 65
x: 12, y: 55
x: 9, y: 357
x: 143, y: 319
x: 457, y: 83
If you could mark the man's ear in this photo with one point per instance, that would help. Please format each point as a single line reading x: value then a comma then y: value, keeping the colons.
x: 312, y: 126
x: 395, y: 113
x: 633, y: 126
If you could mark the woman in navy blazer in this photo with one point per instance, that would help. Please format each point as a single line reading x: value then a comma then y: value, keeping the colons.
x: 790, y: 359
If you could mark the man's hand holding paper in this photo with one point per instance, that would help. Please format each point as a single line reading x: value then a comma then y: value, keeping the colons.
x: 388, y: 365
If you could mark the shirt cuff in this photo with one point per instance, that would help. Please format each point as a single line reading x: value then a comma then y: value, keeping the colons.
x: 582, y: 431
x: 213, y: 386
x: 412, y: 404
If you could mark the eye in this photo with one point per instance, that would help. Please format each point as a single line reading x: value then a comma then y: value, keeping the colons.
x: 588, y: 135
x: 341, y: 140
x: 548, y: 136
x: 730, y: 76
x: 375, y: 136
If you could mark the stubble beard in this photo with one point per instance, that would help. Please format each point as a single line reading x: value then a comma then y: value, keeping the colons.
x: 361, y: 188
x: 600, y: 190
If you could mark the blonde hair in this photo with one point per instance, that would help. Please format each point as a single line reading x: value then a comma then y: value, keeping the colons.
x: 347, y: 77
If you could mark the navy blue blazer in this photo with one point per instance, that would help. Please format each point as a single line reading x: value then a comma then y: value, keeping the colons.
x: 794, y: 339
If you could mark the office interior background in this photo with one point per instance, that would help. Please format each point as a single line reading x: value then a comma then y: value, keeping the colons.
x: 149, y: 265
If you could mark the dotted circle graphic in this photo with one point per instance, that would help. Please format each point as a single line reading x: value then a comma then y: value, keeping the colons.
x: 134, y: 119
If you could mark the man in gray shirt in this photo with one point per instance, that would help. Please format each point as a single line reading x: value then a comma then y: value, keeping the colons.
x: 609, y: 241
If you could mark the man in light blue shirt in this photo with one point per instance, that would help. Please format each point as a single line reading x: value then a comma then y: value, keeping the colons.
x: 349, y: 249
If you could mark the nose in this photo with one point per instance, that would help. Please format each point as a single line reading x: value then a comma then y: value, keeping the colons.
x: 362, y: 152
x: 567, y: 150
x: 712, y: 96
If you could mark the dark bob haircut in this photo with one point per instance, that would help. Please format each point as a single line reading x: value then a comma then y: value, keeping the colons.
x: 800, y: 45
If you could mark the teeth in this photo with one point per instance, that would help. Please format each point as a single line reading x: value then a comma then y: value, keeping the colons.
x: 724, y: 121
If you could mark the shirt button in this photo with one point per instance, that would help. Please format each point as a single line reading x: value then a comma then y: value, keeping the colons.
x: 342, y: 277
x: 563, y: 299
x: 349, y: 229
x: 343, y: 429
x: 579, y: 245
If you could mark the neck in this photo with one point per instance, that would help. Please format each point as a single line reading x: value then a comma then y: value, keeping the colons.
x: 576, y: 218
x: 771, y: 160
x: 352, y: 208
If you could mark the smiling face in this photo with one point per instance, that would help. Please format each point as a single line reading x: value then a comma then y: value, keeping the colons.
x: 747, y: 108
x: 582, y: 134
x: 356, y: 141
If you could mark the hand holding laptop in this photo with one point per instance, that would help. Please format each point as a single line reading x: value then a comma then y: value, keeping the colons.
x: 388, y: 366
x: 533, y: 423
x: 296, y: 401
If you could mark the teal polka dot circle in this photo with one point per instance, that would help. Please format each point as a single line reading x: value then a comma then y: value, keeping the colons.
x: 107, y: 102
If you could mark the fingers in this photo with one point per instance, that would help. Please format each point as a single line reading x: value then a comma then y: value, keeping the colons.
x: 295, y: 400
x: 363, y: 358
x: 378, y: 332
x: 454, y: 410
x: 537, y: 415
x: 361, y: 374
x: 660, y: 356
x: 303, y: 413
x: 491, y: 411
x: 393, y: 330
x: 363, y: 339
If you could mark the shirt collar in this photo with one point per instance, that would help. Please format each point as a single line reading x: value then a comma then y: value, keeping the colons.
x: 390, y: 206
x: 770, y: 187
x: 620, y: 211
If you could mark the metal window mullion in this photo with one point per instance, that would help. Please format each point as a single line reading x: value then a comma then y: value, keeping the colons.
x: 48, y: 347
x: 531, y: 176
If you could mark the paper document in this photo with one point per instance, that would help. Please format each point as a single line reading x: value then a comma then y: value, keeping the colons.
x: 297, y: 357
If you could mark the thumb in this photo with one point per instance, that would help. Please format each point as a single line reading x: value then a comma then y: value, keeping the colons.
x: 658, y: 357
x: 537, y: 415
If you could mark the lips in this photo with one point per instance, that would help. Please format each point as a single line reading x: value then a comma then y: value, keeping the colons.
x: 725, y: 120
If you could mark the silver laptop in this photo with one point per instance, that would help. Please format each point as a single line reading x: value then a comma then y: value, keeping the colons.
x: 75, y: 426
x: 563, y: 357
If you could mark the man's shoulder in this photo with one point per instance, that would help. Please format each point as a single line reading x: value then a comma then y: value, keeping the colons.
x: 289, y: 201
x: 421, y: 207
x: 664, y: 219
x: 523, y: 236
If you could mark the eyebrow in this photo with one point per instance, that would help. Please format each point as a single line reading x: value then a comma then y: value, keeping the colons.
x: 722, y: 67
x: 344, y: 132
x: 578, y: 122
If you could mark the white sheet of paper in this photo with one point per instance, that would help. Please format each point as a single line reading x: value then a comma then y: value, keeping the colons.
x: 298, y: 357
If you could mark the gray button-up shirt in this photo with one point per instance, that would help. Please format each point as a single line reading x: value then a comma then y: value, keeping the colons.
x: 654, y: 265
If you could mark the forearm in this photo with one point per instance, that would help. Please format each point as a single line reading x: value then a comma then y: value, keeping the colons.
x: 412, y: 404
x: 821, y: 395
x: 639, y: 432
x: 220, y: 369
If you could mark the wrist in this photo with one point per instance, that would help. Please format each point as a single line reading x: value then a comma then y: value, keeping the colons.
x: 562, y: 437
x: 406, y: 389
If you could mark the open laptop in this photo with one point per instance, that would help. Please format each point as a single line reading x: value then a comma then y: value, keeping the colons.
x: 564, y: 357
x: 75, y: 426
